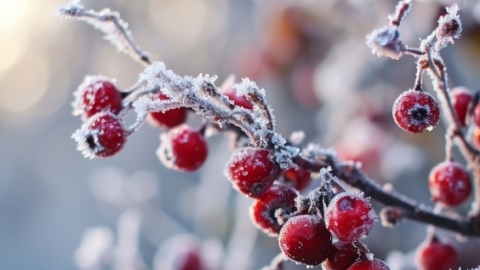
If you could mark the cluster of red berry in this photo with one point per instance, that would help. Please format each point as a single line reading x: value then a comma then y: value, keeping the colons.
x: 304, y: 229
x: 449, y: 181
x: 104, y: 133
x: 324, y: 227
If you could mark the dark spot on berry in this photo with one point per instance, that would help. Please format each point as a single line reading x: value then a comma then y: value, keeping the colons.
x: 419, y: 114
x: 258, y: 188
x: 91, y: 142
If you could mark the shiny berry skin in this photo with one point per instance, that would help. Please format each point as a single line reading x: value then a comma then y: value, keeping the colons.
x: 305, y: 239
x: 103, y: 135
x: 251, y: 171
x: 182, y: 149
x: 349, y: 217
x: 461, y: 98
x: 97, y: 94
x: 416, y: 111
x: 168, y: 119
x: 298, y: 178
x: 263, y: 209
x: 343, y: 256
x: 449, y: 183
x: 434, y: 255
x: 238, y: 100
x: 374, y: 264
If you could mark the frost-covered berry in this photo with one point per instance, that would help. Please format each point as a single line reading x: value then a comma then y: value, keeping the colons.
x: 103, y: 135
x: 461, y: 98
x: 298, y: 178
x: 238, y: 100
x: 415, y: 111
x: 343, y: 256
x: 168, y: 119
x: 264, y: 209
x: 182, y: 149
x: 435, y: 255
x: 349, y: 217
x: 305, y: 239
x: 251, y: 171
x: 449, y: 183
x: 374, y: 264
x: 96, y: 94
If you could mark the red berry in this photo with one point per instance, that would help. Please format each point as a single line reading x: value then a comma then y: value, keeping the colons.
x: 415, y: 111
x: 349, y: 217
x: 277, y: 197
x: 182, y: 149
x: 449, y: 183
x: 102, y: 136
x: 251, y: 171
x: 434, y: 255
x: 298, y: 178
x: 305, y: 239
x: 344, y: 255
x: 461, y: 98
x: 168, y: 119
x: 238, y: 100
x: 97, y: 94
x: 374, y: 264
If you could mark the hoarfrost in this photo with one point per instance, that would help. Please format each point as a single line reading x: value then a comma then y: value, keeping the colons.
x: 107, y: 21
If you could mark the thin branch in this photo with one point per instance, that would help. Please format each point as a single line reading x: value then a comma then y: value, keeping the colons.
x: 110, y: 23
x: 354, y: 177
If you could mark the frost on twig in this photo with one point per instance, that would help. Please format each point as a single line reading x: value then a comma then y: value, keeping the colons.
x: 201, y: 95
x: 401, y: 10
x: 109, y: 22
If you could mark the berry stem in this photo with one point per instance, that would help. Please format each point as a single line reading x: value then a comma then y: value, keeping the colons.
x: 417, y: 86
x: 449, y: 135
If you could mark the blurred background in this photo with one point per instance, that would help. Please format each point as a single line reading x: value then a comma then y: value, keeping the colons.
x: 59, y: 210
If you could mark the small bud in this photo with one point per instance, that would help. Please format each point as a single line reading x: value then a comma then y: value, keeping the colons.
x: 449, y: 26
x: 386, y: 42
x: 390, y: 216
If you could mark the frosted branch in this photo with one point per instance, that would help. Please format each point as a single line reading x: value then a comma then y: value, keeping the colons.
x: 109, y: 22
x: 201, y: 95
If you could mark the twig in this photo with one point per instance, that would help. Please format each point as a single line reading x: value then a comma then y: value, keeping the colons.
x: 110, y: 23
